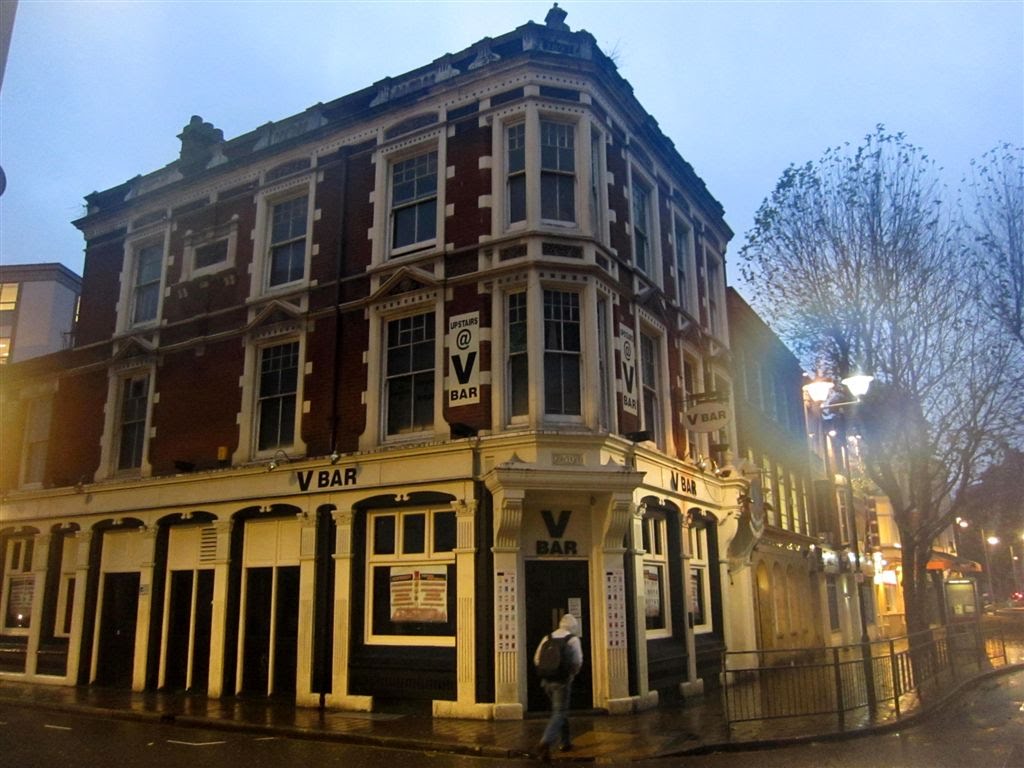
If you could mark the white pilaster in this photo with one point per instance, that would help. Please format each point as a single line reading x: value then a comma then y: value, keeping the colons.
x: 510, y: 659
x: 339, y: 696
x: 218, y: 624
x: 83, y: 540
x: 147, y: 562
x: 304, y: 695
x: 41, y: 551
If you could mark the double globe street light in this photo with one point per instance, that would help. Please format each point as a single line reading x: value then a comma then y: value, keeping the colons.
x: 820, y: 391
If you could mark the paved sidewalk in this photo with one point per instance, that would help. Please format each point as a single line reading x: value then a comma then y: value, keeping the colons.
x: 668, y: 730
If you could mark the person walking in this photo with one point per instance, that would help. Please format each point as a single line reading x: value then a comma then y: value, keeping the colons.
x: 557, y: 682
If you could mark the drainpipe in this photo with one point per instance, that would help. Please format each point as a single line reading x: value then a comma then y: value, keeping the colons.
x: 336, y: 366
x: 324, y: 571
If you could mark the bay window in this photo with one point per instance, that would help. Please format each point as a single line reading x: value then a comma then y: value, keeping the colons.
x: 682, y: 239
x: 562, y: 353
x: 650, y: 376
x: 518, y: 371
x: 515, y: 169
x: 557, y: 171
x: 540, y: 159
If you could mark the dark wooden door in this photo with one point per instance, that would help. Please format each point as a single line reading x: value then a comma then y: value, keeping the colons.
x: 116, y: 653
x: 551, y: 585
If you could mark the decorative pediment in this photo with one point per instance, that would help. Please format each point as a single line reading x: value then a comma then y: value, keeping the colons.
x: 690, y: 329
x: 653, y: 301
x: 275, y: 317
x: 405, y: 280
x: 717, y: 351
x: 484, y: 55
x: 390, y: 89
x: 133, y: 350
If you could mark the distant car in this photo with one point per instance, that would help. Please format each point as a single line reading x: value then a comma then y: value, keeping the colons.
x: 1017, y: 599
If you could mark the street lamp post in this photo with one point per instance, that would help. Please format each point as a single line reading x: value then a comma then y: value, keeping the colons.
x: 989, y: 542
x: 1019, y: 578
x: 1013, y: 569
x: 820, y: 391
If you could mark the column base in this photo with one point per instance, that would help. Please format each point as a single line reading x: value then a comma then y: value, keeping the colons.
x: 692, y: 689
x: 351, y: 703
x: 468, y: 710
x: 630, y: 704
x: 307, y: 699
x: 508, y: 711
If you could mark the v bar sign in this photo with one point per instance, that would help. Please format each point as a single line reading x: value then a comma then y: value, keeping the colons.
x: 708, y: 416
x: 464, y: 359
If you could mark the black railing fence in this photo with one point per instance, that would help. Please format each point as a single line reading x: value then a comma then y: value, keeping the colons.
x: 851, y: 686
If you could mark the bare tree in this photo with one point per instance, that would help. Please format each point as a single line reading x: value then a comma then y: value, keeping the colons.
x: 857, y: 262
x: 996, y: 231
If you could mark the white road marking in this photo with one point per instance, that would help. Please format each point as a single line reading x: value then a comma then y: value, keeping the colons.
x: 196, y: 743
x: 261, y: 738
x: 56, y: 727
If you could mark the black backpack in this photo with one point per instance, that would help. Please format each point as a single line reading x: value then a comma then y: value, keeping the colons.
x: 552, y: 661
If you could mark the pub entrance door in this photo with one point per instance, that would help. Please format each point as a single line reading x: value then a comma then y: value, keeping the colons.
x: 115, y: 661
x: 554, y: 588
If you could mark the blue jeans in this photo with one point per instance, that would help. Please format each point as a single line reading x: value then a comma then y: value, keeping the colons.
x: 558, y: 726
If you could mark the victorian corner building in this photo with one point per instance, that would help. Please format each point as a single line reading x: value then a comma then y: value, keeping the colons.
x: 361, y: 402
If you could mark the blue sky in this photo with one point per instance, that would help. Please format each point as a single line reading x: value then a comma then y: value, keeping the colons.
x: 95, y: 93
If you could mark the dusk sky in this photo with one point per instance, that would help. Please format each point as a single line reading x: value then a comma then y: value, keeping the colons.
x: 95, y: 93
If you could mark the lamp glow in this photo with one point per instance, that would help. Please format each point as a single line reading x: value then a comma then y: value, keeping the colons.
x: 858, y: 384
x: 819, y: 390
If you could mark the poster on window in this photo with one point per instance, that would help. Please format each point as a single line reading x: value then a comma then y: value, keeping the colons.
x: 19, y: 602
x: 419, y: 594
x: 652, y: 591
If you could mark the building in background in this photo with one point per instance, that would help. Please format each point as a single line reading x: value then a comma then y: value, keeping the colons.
x: 789, y: 582
x: 847, y: 525
x: 38, y: 306
x: 363, y: 401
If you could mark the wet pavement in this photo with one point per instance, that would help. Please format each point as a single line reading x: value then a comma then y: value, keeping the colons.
x: 692, y: 728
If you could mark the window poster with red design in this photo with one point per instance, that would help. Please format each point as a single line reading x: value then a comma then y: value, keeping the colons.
x: 419, y: 593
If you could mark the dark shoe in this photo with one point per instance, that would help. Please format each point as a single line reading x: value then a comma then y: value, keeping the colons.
x: 544, y: 752
x: 565, y: 748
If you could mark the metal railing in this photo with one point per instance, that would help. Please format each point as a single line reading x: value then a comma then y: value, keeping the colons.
x: 851, y: 686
